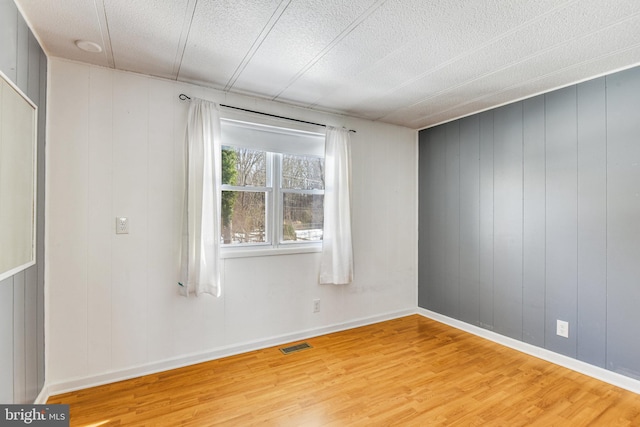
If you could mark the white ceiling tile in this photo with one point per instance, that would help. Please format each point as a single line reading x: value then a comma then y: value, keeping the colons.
x: 304, y: 32
x: 152, y: 46
x: 386, y: 29
x: 375, y: 93
x: 570, y: 64
x: 408, y: 62
x: 59, y: 27
x: 222, y: 34
x: 427, y: 39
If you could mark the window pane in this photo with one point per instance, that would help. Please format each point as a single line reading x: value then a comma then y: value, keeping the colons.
x: 303, y: 217
x: 302, y: 172
x: 243, y: 217
x: 244, y: 167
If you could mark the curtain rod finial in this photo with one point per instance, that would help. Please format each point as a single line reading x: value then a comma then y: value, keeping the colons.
x: 184, y: 97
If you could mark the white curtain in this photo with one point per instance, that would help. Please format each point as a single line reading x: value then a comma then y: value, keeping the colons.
x: 200, y: 271
x: 336, y: 264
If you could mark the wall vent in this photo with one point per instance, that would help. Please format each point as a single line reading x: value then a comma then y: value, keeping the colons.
x: 294, y: 348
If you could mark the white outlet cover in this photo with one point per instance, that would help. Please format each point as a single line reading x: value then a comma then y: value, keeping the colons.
x: 562, y: 328
x: 122, y: 225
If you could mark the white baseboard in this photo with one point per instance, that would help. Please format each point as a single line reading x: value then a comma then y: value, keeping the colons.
x: 42, y: 397
x: 601, y: 374
x: 593, y: 371
x: 186, y: 360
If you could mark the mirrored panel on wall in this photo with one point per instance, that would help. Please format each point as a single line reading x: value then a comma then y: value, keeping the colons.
x: 18, y: 124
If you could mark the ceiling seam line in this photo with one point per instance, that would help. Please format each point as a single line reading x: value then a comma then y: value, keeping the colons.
x: 444, y: 91
x: 453, y: 60
x: 257, y: 43
x: 330, y: 46
x: 514, y: 86
x: 103, y: 22
x: 184, y: 36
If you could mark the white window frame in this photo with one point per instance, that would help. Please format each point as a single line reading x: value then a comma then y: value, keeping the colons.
x: 274, y: 193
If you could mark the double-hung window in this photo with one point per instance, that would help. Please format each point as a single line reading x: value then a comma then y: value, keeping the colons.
x: 272, y: 186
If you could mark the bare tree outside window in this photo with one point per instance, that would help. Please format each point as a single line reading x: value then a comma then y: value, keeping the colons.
x: 229, y: 176
x: 303, y: 212
x: 252, y: 192
x: 243, y: 204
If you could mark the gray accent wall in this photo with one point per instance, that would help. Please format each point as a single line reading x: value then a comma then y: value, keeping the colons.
x: 530, y: 213
x: 22, y: 296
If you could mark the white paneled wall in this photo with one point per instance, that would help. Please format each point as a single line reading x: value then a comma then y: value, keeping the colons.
x: 115, y: 149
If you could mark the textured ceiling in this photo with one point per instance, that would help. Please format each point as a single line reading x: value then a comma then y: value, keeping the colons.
x: 414, y: 63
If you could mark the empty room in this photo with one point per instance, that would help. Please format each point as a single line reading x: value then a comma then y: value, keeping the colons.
x: 311, y: 213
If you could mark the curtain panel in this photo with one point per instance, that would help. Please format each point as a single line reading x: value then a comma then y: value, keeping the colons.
x: 336, y: 264
x: 200, y: 265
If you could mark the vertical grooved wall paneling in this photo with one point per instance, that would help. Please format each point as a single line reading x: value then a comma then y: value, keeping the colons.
x: 22, y: 295
x: 507, y: 261
x: 592, y: 223
x: 6, y: 339
x: 623, y: 222
x: 485, y: 269
x: 68, y: 239
x: 424, y: 227
x: 452, y: 220
x: 435, y: 221
x: 548, y: 214
x: 101, y: 219
x: 130, y: 197
x: 533, y: 227
x: 469, y: 221
x: 116, y: 148
x: 562, y: 218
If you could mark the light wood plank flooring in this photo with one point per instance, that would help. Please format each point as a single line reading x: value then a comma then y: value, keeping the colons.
x: 410, y: 371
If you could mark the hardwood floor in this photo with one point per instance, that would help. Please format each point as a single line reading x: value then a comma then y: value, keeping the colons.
x: 410, y: 371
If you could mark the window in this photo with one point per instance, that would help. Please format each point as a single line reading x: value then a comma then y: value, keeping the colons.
x: 272, y: 186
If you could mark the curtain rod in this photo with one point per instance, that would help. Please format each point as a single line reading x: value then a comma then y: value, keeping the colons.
x: 184, y: 97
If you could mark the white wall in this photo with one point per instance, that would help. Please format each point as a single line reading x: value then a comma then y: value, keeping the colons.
x: 115, y: 149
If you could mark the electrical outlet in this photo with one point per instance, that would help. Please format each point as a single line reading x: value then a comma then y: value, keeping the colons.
x: 316, y: 305
x: 562, y: 328
x: 122, y: 225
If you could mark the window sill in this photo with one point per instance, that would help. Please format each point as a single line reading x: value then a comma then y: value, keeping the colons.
x: 261, y: 251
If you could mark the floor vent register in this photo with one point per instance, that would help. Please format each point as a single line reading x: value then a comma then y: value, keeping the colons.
x: 294, y: 348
